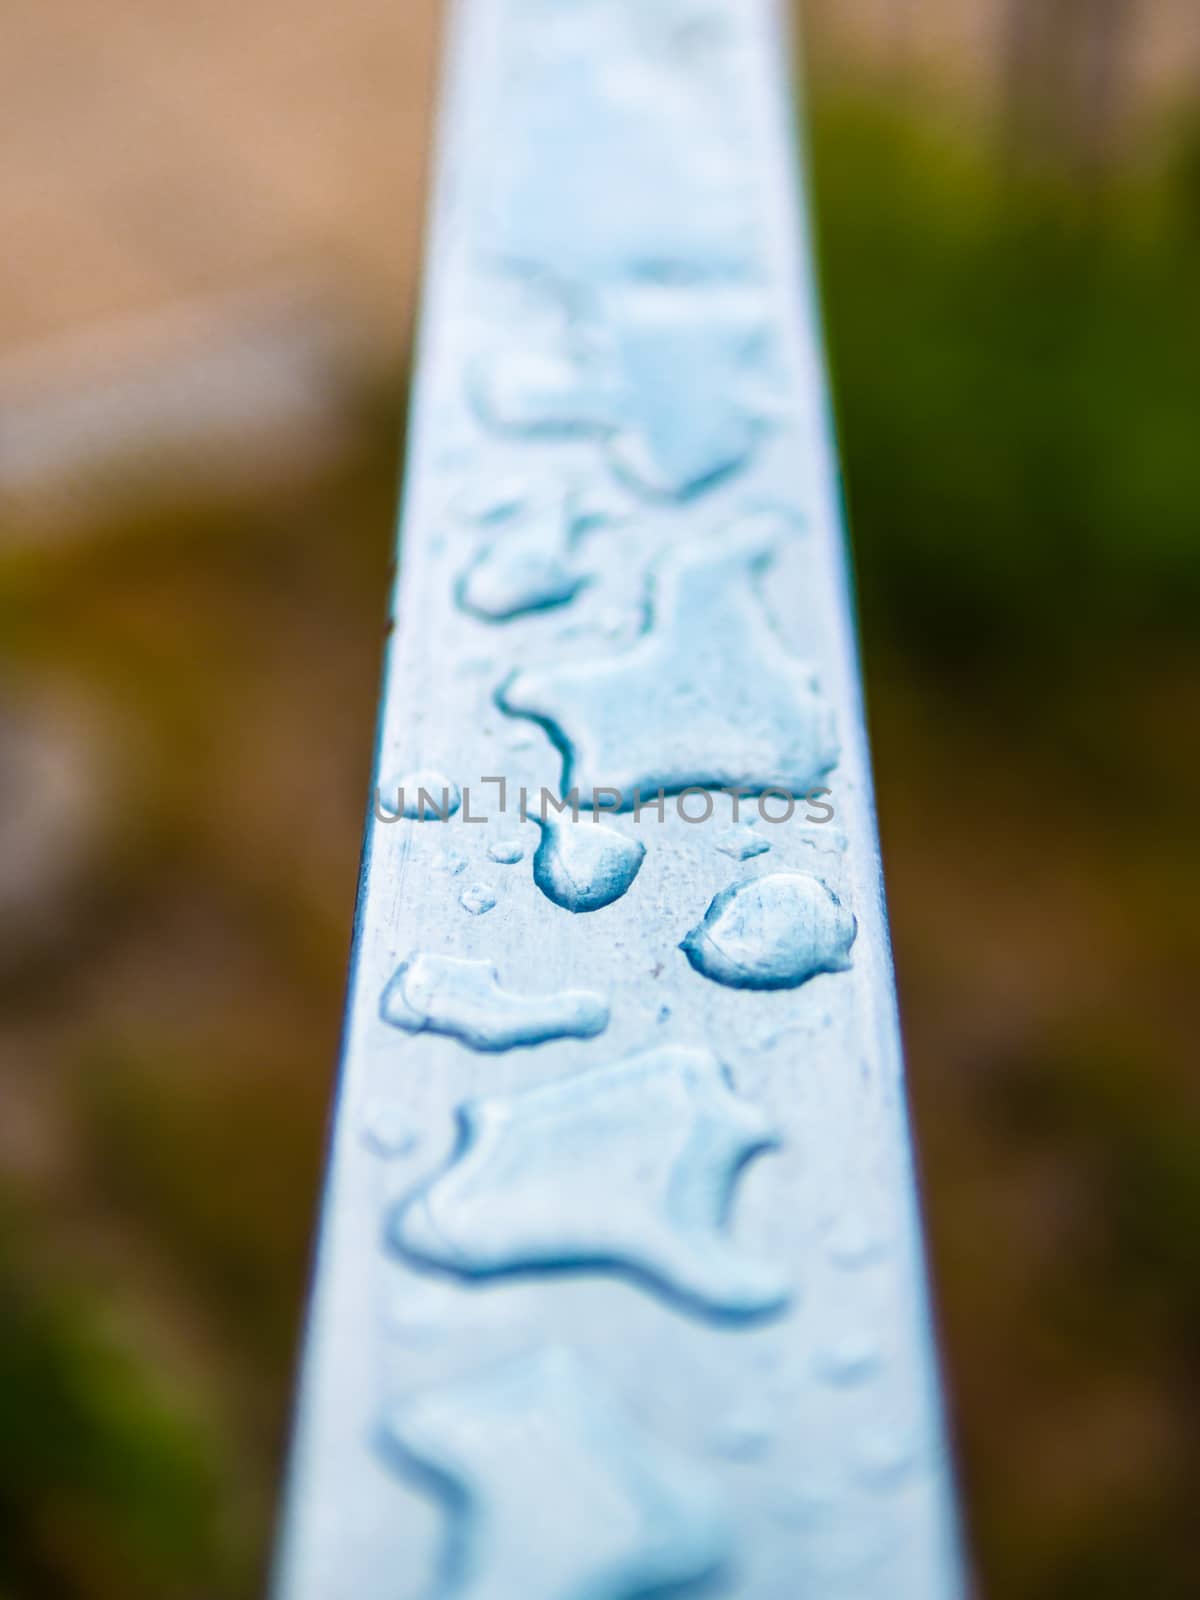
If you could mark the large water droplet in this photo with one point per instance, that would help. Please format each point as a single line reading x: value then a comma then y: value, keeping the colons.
x: 464, y: 1000
x: 630, y: 1168
x: 707, y: 697
x: 505, y: 1445
x: 665, y: 383
x: 773, y: 932
x: 425, y: 796
x: 685, y: 364
x: 584, y: 866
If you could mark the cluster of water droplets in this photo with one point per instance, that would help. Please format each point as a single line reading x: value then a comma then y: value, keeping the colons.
x: 650, y: 348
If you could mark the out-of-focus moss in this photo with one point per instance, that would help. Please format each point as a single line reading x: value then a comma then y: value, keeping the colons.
x: 108, y: 1482
x: 1014, y: 364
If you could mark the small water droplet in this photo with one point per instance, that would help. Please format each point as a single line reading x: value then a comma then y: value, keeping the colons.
x: 628, y: 1168
x: 630, y: 1517
x: 492, y: 499
x: 453, y: 862
x: 613, y: 624
x: 886, y: 1456
x: 803, y: 1505
x: 465, y: 1001
x: 507, y: 852
x: 741, y: 843
x: 854, y: 1244
x: 746, y: 1438
x: 478, y: 899
x: 425, y: 796
x: 848, y: 1362
x: 773, y: 932
x: 520, y: 573
x: 584, y: 866
x: 387, y: 1130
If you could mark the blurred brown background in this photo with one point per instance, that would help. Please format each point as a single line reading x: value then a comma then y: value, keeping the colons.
x: 211, y: 220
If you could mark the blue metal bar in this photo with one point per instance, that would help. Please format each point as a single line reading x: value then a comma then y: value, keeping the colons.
x: 619, y: 1288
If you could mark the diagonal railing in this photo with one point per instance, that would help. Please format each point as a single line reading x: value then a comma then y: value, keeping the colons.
x: 619, y: 1287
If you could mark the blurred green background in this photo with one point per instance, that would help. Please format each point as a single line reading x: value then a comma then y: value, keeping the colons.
x: 211, y: 251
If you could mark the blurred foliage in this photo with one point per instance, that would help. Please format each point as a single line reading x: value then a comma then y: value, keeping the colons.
x: 1015, y: 355
x: 1015, y: 352
x: 112, y: 1487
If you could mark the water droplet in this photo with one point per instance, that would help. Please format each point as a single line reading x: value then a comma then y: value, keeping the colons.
x: 630, y: 1168
x: 685, y: 362
x: 886, y: 1456
x: 544, y: 394
x: 507, y: 852
x: 535, y: 562
x: 584, y: 866
x: 520, y: 573
x: 855, y: 1244
x: 742, y: 843
x: 803, y: 1505
x: 478, y: 899
x: 612, y: 623
x: 453, y: 862
x: 665, y: 383
x: 465, y: 1001
x: 629, y: 1517
x: 851, y: 1361
x: 492, y: 498
x: 773, y: 932
x: 425, y: 796
x: 387, y: 1130
x: 706, y: 698
x: 746, y: 1438
x: 613, y: 174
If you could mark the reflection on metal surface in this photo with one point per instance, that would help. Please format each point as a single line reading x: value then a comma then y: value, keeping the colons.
x: 618, y: 301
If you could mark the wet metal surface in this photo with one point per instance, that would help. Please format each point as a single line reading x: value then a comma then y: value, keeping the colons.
x: 634, y: 1300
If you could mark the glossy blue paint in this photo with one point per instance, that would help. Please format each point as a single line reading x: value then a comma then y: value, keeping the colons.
x: 619, y: 1288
